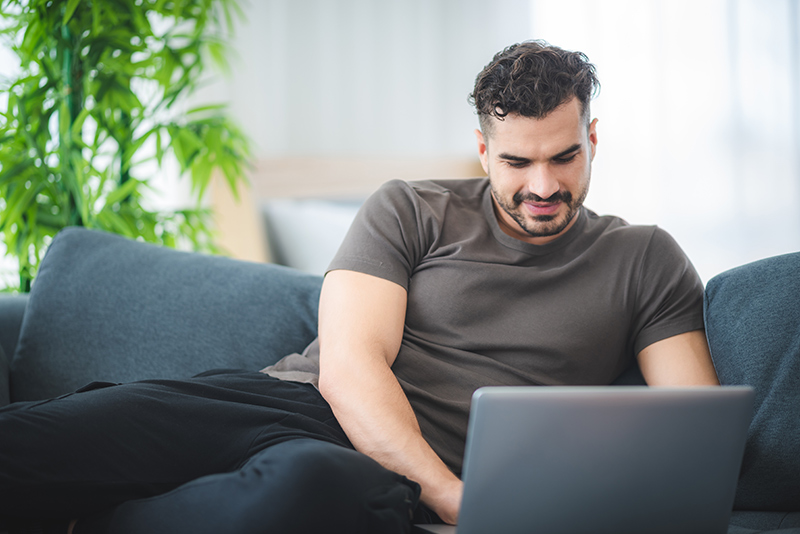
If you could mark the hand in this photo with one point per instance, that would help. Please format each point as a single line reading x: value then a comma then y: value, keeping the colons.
x: 447, y: 503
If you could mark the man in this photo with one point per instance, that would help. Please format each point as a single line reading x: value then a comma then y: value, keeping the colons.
x: 500, y: 281
x: 438, y: 289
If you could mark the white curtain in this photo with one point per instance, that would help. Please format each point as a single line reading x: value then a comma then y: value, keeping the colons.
x: 699, y: 118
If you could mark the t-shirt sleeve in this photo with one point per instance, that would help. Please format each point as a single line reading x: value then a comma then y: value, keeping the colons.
x: 669, y: 294
x: 385, y: 237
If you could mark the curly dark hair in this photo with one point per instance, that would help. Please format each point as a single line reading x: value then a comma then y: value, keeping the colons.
x: 532, y: 79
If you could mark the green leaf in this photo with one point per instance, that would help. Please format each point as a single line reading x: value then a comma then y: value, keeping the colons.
x: 33, y: 35
x: 122, y: 192
x: 133, y: 148
x: 201, y: 176
x: 113, y: 222
x: 191, y: 143
x: 112, y: 15
x: 79, y: 196
x: 96, y: 21
x: 18, y: 203
x: 71, y: 6
x: 64, y: 125
x: 217, y: 51
x: 73, y: 146
x: 77, y: 125
x: 232, y: 174
x: 204, y: 109
x: 9, y: 175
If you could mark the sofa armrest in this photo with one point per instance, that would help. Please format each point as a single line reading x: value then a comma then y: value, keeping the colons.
x: 12, y: 310
x: 752, y: 318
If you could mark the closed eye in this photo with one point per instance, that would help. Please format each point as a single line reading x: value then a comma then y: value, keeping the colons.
x: 565, y: 159
x: 517, y: 164
x: 514, y: 161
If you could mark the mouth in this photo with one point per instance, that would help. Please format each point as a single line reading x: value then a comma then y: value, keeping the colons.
x: 542, y: 208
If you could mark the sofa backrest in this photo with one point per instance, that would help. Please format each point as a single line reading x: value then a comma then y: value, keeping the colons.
x: 107, y: 308
x: 752, y: 316
x: 12, y: 310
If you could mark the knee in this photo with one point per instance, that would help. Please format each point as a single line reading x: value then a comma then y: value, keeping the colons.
x: 311, y: 460
x: 294, y: 487
x: 340, y: 484
x: 324, y: 468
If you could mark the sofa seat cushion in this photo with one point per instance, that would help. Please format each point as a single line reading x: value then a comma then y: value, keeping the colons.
x: 767, y: 521
x: 752, y: 318
x: 736, y: 529
x: 107, y: 308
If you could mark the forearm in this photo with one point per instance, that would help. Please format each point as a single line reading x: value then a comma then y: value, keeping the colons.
x: 361, y: 320
x: 374, y: 412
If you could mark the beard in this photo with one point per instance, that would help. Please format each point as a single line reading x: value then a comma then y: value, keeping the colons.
x: 541, y: 225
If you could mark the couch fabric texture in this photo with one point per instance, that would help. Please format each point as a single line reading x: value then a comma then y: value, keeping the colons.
x: 753, y: 327
x: 11, y: 313
x: 105, y: 308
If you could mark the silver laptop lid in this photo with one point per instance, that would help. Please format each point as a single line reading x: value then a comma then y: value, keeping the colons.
x: 603, y: 460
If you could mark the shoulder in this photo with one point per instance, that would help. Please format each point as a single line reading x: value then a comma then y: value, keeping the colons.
x: 657, y: 261
x: 613, y: 229
x: 620, y: 229
x: 430, y: 198
x: 644, y: 243
x: 400, y: 223
x: 435, y: 189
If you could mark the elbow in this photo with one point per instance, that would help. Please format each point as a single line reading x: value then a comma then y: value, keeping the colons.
x: 344, y: 380
x: 327, y: 386
x: 332, y: 381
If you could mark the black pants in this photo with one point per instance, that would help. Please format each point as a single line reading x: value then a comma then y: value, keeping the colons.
x: 225, y: 451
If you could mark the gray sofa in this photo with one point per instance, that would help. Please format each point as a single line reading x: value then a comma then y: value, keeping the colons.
x: 107, y: 308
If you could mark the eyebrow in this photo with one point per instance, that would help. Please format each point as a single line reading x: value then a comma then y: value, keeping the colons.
x: 570, y: 150
x: 509, y: 157
x: 519, y: 159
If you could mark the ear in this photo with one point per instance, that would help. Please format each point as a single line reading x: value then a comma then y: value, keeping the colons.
x: 593, y: 137
x: 482, y: 151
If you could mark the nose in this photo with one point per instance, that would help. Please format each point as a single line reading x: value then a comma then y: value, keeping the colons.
x: 542, y: 182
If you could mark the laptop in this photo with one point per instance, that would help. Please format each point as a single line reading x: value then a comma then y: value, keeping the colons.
x: 602, y: 460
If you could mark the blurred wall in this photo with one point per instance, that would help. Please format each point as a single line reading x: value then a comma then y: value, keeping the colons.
x: 699, y: 118
x: 365, y: 77
x: 340, y: 96
x: 699, y: 110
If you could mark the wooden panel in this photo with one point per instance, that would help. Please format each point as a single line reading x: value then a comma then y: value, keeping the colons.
x: 238, y: 222
x: 342, y: 177
x: 240, y: 225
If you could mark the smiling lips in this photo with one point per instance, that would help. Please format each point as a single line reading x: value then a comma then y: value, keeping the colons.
x: 542, y: 208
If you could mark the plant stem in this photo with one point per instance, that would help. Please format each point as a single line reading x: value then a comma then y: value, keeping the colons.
x: 124, y: 167
x: 65, y: 129
x: 24, y: 282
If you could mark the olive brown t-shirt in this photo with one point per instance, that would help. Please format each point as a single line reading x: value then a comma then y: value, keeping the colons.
x: 487, y: 309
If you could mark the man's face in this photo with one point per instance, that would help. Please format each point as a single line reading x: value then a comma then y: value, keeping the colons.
x: 539, y: 170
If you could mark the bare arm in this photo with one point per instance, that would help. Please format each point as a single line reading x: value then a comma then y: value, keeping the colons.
x: 361, y: 320
x: 682, y: 360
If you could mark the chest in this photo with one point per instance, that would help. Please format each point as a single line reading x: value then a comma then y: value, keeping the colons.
x: 572, y: 316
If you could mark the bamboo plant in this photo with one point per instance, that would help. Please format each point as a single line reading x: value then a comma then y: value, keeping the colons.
x: 97, y: 111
